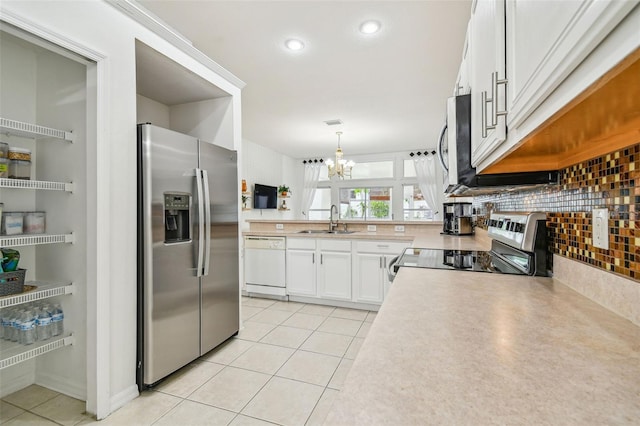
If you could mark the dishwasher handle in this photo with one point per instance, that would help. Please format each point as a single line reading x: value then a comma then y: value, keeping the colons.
x: 268, y: 243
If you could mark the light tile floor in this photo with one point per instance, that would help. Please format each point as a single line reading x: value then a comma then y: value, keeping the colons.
x: 285, y: 367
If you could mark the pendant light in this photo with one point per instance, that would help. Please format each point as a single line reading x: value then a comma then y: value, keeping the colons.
x: 340, y: 167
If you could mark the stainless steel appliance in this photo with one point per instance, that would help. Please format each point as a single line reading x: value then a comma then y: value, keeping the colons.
x: 454, y: 151
x: 519, y: 246
x: 458, y: 219
x: 264, y: 265
x: 188, y: 285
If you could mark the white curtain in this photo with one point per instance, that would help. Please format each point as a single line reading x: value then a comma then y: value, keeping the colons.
x: 311, y: 178
x: 426, y: 170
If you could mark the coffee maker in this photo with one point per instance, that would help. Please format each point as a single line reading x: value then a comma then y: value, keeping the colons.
x: 458, y: 219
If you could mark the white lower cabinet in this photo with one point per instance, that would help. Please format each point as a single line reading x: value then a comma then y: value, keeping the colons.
x: 369, y: 277
x: 370, y: 274
x: 301, y: 267
x: 334, y: 271
x: 341, y: 270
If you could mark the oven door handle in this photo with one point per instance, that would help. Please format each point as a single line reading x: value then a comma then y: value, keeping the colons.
x: 391, y: 273
x: 441, y: 147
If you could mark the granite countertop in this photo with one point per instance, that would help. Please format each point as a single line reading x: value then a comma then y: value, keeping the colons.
x: 427, y: 237
x: 354, y: 235
x: 454, y: 347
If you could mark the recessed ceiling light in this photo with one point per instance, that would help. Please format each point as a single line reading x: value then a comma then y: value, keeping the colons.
x: 370, y: 27
x: 293, y: 44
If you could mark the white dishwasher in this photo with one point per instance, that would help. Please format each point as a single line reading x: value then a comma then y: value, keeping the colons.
x: 264, y: 267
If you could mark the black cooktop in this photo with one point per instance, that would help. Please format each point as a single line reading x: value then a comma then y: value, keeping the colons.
x: 465, y: 260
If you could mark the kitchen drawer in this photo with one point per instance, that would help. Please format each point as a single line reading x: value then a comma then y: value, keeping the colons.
x: 334, y: 245
x: 301, y: 243
x: 382, y: 247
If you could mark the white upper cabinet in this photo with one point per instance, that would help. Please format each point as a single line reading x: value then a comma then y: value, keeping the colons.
x: 521, y: 52
x: 546, y: 41
x: 463, y: 85
x: 487, y: 43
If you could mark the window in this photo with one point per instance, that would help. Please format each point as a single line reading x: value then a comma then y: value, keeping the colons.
x: 321, y: 205
x: 366, y: 203
x: 414, y: 206
x: 367, y: 195
x: 373, y: 170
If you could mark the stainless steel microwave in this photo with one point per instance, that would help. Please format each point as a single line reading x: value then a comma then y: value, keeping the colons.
x: 454, y: 151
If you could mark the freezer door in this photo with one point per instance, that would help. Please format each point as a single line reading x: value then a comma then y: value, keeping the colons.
x: 170, y: 289
x: 220, y: 284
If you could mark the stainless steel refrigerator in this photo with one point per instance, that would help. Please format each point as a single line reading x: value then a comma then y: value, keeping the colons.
x: 188, y: 282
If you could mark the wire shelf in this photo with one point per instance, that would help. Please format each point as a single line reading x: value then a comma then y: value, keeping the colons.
x: 36, y: 184
x: 14, y: 353
x: 28, y: 130
x: 33, y: 240
x: 44, y: 290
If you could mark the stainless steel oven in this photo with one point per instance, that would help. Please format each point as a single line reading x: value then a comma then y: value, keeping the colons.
x: 518, y: 247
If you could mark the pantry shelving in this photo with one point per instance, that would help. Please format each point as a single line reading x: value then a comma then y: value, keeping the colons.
x: 12, y: 353
x: 32, y: 240
x: 34, y: 131
x: 36, y: 184
x: 43, y: 127
x: 44, y: 290
x: 15, y: 353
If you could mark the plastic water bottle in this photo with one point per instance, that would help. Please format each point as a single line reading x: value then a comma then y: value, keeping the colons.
x: 43, y: 323
x: 57, y: 320
x: 3, y: 313
x: 28, y: 328
x: 15, y: 325
x: 7, y: 324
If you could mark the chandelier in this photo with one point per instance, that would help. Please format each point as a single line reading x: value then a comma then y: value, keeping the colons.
x: 341, y: 167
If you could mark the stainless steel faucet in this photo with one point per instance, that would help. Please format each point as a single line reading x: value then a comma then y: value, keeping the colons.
x: 333, y: 225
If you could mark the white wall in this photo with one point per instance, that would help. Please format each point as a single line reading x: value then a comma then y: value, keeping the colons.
x: 210, y: 120
x: 105, y: 34
x: 268, y: 167
x: 154, y: 112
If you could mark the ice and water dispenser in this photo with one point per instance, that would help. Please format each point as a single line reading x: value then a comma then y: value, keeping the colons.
x: 177, y: 217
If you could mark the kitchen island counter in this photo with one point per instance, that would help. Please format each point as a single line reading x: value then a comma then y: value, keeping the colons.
x: 426, y: 236
x: 453, y: 347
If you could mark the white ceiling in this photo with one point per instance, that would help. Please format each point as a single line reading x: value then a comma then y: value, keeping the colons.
x: 389, y: 88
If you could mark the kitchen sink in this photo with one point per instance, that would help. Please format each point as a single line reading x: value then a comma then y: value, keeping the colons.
x: 323, y: 231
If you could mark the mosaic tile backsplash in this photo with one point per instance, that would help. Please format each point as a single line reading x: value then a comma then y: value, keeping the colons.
x: 611, y: 181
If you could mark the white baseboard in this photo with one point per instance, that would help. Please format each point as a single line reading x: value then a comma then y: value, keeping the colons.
x: 16, y: 383
x: 335, y: 303
x: 62, y: 384
x: 260, y: 290
x: 122, y: 398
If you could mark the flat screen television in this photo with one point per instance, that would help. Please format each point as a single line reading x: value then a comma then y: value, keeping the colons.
x: 265, y: 197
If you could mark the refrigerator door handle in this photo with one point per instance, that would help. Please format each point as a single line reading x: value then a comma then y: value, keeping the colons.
x: 199, y: 265
x: 207, y: 222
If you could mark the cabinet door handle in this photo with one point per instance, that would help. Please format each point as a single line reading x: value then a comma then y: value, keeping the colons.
x: 380, y: 262
x: 313, y: 258
x: 321, y: 259
x: 495, y: 82
x: 483, y: 113
x: 493, y: 100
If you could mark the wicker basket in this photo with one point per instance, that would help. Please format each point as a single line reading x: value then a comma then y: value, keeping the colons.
x: 12, y: 282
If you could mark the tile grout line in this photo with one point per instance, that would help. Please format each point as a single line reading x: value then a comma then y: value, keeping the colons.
x: 272, y: 376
